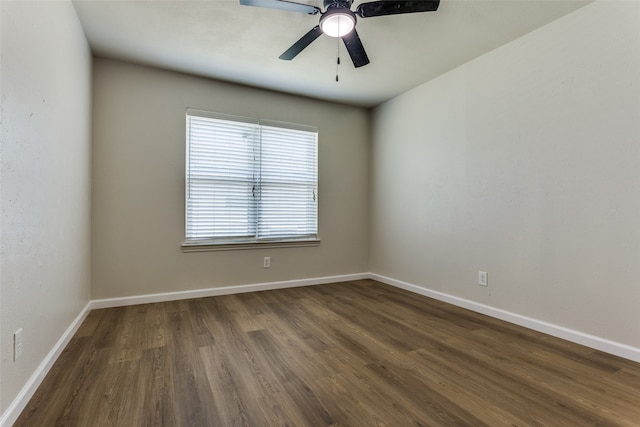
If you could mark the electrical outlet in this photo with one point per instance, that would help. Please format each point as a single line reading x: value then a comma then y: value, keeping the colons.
x: 483, y: 278
x: 17, y: 344
x: 266, y: 262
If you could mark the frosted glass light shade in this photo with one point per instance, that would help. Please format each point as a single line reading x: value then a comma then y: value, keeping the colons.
x: 337, y: 24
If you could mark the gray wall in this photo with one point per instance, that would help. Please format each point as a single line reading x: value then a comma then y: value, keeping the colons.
x: 523, y: 163
x: 45, y: 219
x: 138, y: 184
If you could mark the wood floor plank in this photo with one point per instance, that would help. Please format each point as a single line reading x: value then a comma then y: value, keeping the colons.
x: 155, y: 335
x: 88, y: 327
x: 112, y: 397
x: 345, y: 354
x: 243, y: 316
x: 155, y: 389
x: 132, y: 339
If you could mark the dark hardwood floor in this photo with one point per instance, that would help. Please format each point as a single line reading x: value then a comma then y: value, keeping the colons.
x: 349, y: 354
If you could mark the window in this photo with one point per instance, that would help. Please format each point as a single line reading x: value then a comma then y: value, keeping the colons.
x: 249, y: 181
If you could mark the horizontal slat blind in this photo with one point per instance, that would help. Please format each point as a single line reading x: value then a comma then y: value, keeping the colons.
x: 221, y: 168
x: 248, y: 181
x: 288, y: 181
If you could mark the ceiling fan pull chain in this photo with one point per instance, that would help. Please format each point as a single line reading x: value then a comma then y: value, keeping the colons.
x: 338, y: 56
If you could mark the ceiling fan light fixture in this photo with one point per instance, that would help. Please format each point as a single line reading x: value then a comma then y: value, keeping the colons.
x: 338, y: 23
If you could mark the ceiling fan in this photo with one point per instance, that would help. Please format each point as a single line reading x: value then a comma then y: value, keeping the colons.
x: 339, y: 21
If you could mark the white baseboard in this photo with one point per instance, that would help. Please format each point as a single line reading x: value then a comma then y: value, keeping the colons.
x: 14, y: 410
x: 226, y: 290
x: 592, y: 341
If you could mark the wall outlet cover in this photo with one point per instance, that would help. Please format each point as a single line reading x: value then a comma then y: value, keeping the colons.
x: 483, y: 278
x: 17, y: 344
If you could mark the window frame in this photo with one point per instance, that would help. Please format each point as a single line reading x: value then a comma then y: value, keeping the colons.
x: 233, y: 243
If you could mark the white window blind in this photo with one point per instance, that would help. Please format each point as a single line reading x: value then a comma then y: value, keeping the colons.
x: 249, y: 181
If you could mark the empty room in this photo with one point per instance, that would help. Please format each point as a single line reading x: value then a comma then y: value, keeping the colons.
x: 320, y: 213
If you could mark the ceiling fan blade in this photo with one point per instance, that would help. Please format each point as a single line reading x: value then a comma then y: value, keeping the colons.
x: 394, y: 7
x: 356, y: 49
x: 282, y: 5
x: 304, y: 41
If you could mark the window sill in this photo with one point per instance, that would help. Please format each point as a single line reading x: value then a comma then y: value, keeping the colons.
x: 233, y: 246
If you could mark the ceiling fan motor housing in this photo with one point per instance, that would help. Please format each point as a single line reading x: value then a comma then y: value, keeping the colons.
x: 337, y: 3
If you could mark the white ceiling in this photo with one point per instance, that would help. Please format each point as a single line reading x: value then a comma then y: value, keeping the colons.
x: 224, y: 40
